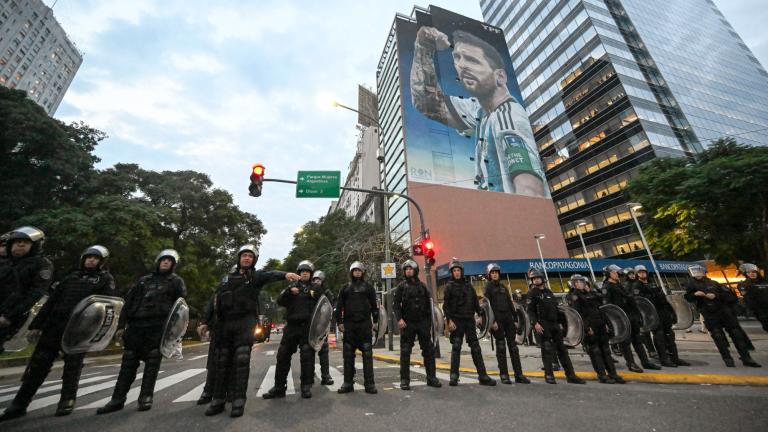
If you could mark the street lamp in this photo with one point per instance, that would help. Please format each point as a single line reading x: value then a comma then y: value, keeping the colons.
x: 633, y: 207
x: 541, y: 255
x: 580, y: 223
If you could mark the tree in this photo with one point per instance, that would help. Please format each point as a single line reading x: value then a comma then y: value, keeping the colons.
x: 43, y: 162
x: 334, y: 241
x: 716, y: 206
x: 48, y: 180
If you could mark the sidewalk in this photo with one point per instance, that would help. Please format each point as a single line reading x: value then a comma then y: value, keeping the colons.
x: 707, y: 366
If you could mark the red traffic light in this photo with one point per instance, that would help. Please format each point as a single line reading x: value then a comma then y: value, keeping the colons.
x: 258, y: 170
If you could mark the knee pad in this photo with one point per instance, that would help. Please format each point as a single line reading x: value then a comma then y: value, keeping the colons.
x: 548, y: 346
x: 456, y: 346
x: 367, y: 347
x: 348, y: 350
x: 154, y: 355
x: 475, y: 348
x: 243, y: 354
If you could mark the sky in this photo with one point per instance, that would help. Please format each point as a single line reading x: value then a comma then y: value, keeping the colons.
x: 215, y: 86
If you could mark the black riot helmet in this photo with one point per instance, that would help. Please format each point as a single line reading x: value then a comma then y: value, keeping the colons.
x: 492, y: 267
x: 319, y: 274
x: 357, y: 265
x: 534, y: 273
x: 577, y: 277
x: 410, y: 264
x: 167, y: 253
x: 607, y: 270
x: 96, y: 250
x: 30, y: 233
x: 250, y: 247
x: 455, y: 263
x: 305, y: 265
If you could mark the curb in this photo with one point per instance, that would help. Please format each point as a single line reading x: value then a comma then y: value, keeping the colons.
x: 647, y: 377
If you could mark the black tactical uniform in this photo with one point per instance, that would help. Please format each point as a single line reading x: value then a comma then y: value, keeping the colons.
x: 146, y: 310
x: 460, y: 306
x: 718, y: 316
x: 663, y: 336
x: 755, y: 292
x: 412, y: 303
x: 507, y: 323
x: 355, y: 308
x: 51, y: 321
x: 587, y: 302
x: 208, y: 319
x: 237, y: 308
x: 23, y: 280
x: 322, y: 354
x: 299, y: 309
x: 542, y: 309
x: 624, y: 297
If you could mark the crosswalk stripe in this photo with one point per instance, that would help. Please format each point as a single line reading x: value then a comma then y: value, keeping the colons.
x: 268, y: 382
x: 133, y: 394
x: 50, y: 400
x: 58, y: 386
x: 338, y: 379
x: 412, y: 384
x: 192, y: 395
x: 14, y: 388
x: 197, y: 357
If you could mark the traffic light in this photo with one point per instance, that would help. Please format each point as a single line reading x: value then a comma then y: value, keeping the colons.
x: 257, y: 178
x: 428, y: 247
x: 418, y: 249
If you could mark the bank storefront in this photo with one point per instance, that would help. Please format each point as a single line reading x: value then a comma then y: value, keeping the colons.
x: 513, y: 272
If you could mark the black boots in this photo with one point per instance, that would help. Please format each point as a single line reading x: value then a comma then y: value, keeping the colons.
x: 65, y: 407
x: 145, y: 402
x: 274, y: 393
x: 306, y: 391
x: 111, y: 406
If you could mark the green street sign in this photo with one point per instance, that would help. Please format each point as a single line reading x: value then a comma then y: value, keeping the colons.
x: 318, y: 184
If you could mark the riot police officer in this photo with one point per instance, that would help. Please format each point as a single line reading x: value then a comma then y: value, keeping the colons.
x: 629, y: 275
x: 355, y: 309
x: 237, y: 310
x: 622, y: 296
x: 299, y: 299
x: 48, y: 329
x: 206, y: 328
x: 548, y: 331
x: 325, y: 366
x: 755, y: 291
x: 663, y: 336
x: 142, y: 322
x: 24, y: 279
x: 460, y: 306
x: 587, y: 302
x: 505, y: 325
x: 412, y: 307
x: 713, y: 300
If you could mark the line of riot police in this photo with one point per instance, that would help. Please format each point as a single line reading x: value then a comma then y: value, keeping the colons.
x: 81, y: 315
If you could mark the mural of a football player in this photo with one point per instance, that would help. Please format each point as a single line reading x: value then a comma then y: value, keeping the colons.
x: 505, y: 156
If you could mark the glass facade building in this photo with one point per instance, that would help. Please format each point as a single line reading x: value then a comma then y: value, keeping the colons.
x: 610, y: 85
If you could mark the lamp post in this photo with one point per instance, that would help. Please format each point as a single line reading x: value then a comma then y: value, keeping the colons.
x: 633, y: 206
x: 580, y: 223
x: 541, y: 255
x: 387, y: 234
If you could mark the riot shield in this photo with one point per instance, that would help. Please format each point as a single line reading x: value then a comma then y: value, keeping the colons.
x: 438, y: 321
x: 19, y: 340
x: 92, y: 324
x: 381, y: 326
x: 486, y: 319
x: 320, y: 324
x: 649, y: 314
x: 175, y: 328
x: 523, y: 324
x: 683, y: 311
x: 574, y: 326
x: 618, y: 323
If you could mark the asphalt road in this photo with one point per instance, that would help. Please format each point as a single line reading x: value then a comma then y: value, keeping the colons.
x: 468, y: 407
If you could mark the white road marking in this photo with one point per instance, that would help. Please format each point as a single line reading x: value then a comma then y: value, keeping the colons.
x: 56, y: 387
x: 192, y: 395
x: 267, y: 383
x: 50, y: 400
x: 133, y: 394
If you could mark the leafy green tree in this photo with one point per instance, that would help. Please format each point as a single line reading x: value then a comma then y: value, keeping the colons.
x: 716, y: 206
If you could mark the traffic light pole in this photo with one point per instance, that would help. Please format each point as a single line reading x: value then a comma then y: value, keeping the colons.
x: 427, y: 266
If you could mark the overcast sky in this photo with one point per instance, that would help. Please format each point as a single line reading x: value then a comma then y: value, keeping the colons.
x: 214, y: 86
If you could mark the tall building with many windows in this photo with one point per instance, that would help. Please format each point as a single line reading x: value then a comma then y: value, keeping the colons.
x: 35, y: 53
x: 610, y: 85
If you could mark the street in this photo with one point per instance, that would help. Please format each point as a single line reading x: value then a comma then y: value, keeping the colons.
x: 539, y: 406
